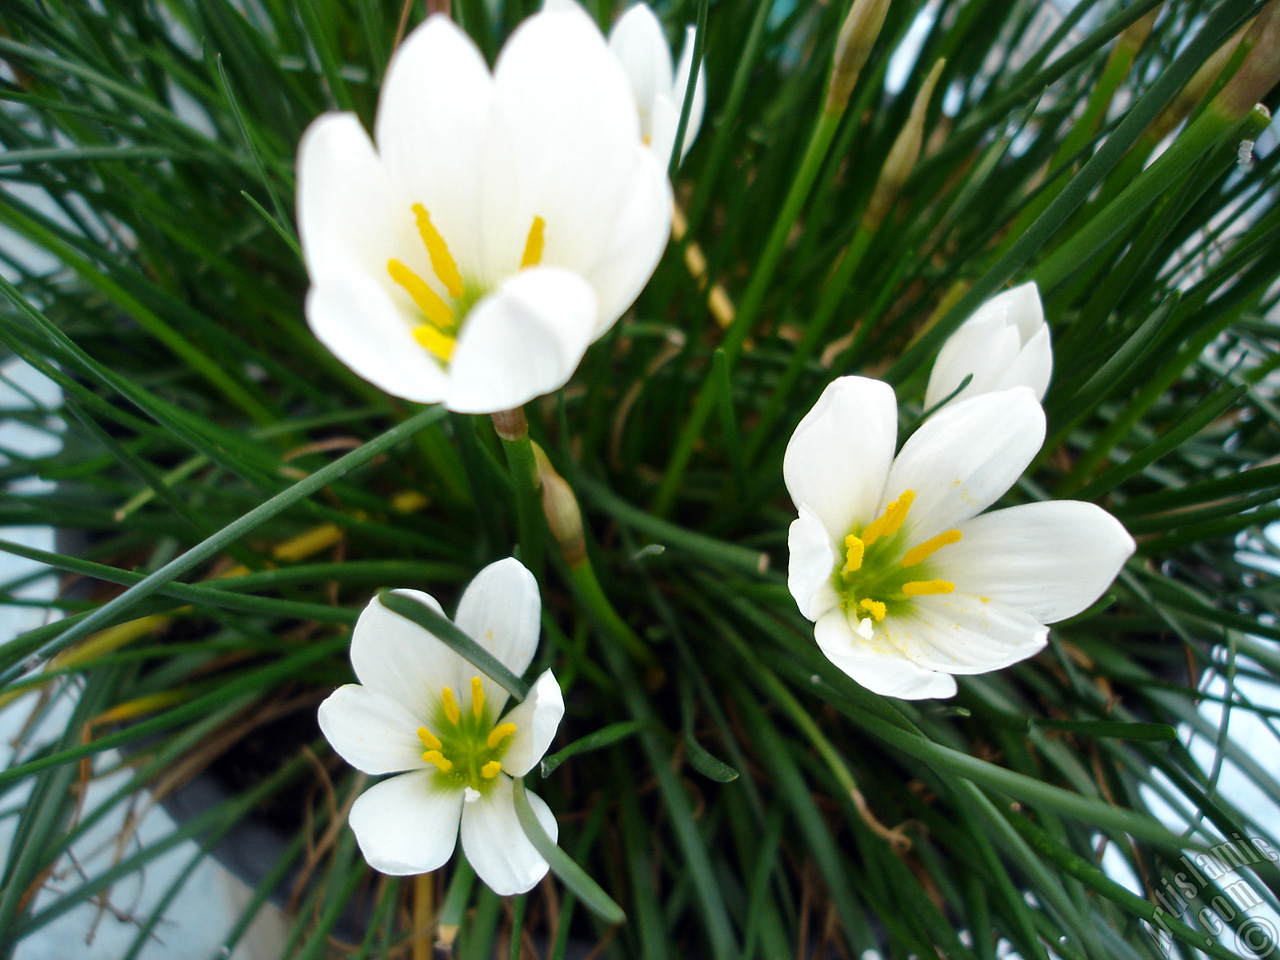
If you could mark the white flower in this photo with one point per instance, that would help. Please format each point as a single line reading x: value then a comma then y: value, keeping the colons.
x: 638, y: 40
x: 1004, y: 344
x: 422, y: 708
x: 906, y: 581
x: 503, y: 223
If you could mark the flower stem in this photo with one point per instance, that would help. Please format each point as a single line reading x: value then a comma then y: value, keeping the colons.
x: 586, y: 587
x: 517, y: 925
x: 759, y: 285
x: 454, y: 909
x: 423, y: 915
x: 782, y: 695
x: 828, y: 303
x: 564, y: 520
x: 513, y: 430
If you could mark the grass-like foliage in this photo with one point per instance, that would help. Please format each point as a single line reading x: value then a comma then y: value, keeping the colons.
x: 243, y: 494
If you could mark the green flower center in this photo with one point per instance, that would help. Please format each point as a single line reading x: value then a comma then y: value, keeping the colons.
x: 466, y: 748
x: 880, y: 574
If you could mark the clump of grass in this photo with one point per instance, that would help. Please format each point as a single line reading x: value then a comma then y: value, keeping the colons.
x: 243, y: 494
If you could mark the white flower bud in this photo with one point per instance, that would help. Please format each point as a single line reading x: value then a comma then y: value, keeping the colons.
x: 1005, y: 344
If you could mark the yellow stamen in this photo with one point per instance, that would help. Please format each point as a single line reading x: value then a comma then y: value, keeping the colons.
x: 429, y: 739
x: 450, y: 705
x: 441, y: 259
x: 533, y: 245
x: 491, y: 769
x: 921, y: 588
x: 921, y: 551
x: 439, y: 759
x: 873, y: 607
x: 500, y: 733
x: 437, y: 312
x: 477, y: 697
x: 439, y: 345
x: 854, y: 548
x: 887, y: 524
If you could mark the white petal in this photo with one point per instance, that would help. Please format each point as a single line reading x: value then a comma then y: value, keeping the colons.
x: 877, y: 664
x: 496, y: 846
x: 438, y: 135
x: 964, y: 457
x: 1033, y: 367
x: 408, y: 824
x: 812, y: 560
x: 537, y: 718
x: 501, y: 610
x: 641, y: 230
x: 568, y: 105
x: 355, y: 317
x: 400, y: 659
x: 699, y: 104
x: 982, y: 351
x: 1019, y: 307
x: 345, y: 201
x: 1049, y: 559
x: 641, y: 46
x: 838, y: 458
x: 663, y: 121
x: 521, y: 341
x: 371, y: 731
x: 959, y: 633
x: 995, y: 346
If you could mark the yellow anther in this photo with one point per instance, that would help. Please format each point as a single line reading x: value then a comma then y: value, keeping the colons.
x: 477, y: 697
x: 450, y: 705
x: 887, y: 524
x: 921, y: 588
x: 873, y: 607
x: 439, y: 345
x: 441, y: 259
x: 533, y: 245
x: 500, y: 733
x: 443, y: 763
x: 437, y: 312
x: 854, y: 548
x: 924, y: 550
x: 491, y: 769
x: 429, y: 739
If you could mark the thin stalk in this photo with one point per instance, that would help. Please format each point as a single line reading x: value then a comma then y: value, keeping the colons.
x: 1207, y: 131
x: 1074, y: 193
x: 203, y: 551
x: 513, y: 430
x: 587, y: 589
x: 757, y: 288
x: 828, y: 303
x: 424, y: 898
x: 686, y: 106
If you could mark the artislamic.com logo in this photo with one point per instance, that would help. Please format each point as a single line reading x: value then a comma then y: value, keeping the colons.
x: 1217, y: 899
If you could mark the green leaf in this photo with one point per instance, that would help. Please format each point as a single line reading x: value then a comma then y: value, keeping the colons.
x: 233, y: 531
x: 444, y: 630
x: 604, y: 737
x: 570, y: 874
x: 1107, y: 728
x: 706, y: 763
